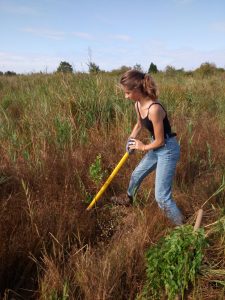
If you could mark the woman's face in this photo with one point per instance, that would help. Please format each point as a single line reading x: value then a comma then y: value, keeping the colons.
x: 132, y: 94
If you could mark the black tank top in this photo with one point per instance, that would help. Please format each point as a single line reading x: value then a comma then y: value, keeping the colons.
x: 148, y: 123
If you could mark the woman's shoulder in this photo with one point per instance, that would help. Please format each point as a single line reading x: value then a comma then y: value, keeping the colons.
x: 156, y: 105
x: 156, y: 108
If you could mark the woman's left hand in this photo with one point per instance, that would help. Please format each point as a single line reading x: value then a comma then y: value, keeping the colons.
x: 136, y: 144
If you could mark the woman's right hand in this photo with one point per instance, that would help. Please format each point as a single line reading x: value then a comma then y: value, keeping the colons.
x: 130, y: 142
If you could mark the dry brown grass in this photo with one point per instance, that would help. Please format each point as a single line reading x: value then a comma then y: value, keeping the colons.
x: 49, y: 241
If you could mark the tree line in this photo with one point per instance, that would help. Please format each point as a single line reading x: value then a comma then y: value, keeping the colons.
x: 8, y: 73
x: 205, y: 69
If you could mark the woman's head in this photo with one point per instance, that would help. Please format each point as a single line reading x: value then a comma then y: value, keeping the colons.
x: 134, y: 80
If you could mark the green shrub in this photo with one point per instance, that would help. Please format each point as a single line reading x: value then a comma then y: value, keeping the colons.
x: 174, y: 262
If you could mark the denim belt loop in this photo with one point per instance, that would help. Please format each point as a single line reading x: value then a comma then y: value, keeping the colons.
x: 167, y: 136
x: 170, y: 135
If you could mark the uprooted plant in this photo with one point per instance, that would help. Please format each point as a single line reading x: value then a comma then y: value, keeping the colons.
x: 173, y: 263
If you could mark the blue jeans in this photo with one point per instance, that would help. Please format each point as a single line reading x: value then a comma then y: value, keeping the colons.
x: 164, y: 161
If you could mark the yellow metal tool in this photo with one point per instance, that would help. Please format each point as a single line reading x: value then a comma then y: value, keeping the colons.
x: 110, y: 178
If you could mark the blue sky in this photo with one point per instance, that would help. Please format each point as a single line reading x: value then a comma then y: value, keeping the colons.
x: 37, y: 35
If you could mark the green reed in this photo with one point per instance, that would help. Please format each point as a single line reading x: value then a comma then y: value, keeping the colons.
x: 58, y: 110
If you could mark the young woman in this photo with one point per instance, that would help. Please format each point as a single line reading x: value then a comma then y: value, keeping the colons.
x: 163, y: 152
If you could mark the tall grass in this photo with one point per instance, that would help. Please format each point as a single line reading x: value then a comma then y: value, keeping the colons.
x: 53, y: 128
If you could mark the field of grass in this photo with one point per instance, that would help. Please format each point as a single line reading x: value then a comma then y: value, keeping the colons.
x: 54, y: 130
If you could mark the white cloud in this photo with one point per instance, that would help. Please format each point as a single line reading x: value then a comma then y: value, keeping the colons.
x: 46, y: 33
x: 187, y: 58
x: 122, y: 37
x: 102, y: 38
x: 111, y: 58
x: 27, y: 63
x: 83, y: 35
x: 160, y: 54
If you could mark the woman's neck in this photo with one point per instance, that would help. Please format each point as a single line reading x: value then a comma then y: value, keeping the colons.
x: 145, y: 101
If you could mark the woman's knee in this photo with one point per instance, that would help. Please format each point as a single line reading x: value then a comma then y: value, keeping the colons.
x: 135, y: 176
x: 163, y: 198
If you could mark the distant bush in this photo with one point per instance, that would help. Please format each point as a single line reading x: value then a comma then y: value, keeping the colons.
x: 138, y: 67
x: 152, y: 68
x: 170, y: 70
x: 65, y: 67
x: 10, y: 73
x: 206, y: 69
x: 93, y: 68
x: 120, y: 70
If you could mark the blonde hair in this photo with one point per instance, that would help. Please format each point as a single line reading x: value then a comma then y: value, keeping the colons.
x: 134, y: 79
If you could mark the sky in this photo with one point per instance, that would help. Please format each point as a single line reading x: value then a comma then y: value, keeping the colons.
x: 36, y: 35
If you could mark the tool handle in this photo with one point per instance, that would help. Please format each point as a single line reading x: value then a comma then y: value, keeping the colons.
x: 198, y: 219
x: 110, y: 178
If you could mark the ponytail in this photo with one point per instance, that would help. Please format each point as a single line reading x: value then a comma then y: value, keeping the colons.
x: 134, y: 79
x: 149, y: 87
